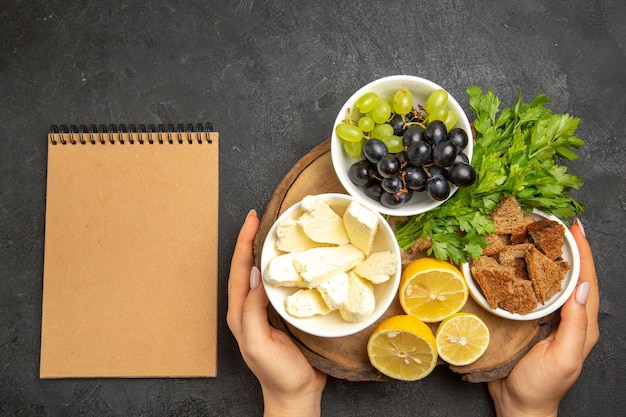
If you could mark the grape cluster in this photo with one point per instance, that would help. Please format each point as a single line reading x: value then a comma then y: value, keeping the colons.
x: 404, y: 150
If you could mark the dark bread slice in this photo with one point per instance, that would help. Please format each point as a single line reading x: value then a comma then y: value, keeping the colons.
x: 564, y: 265
x: 508, y: 217
x: 512, y: 252
x: 521, y: 235
x: 545, y: 274
x: 520, y: 270
x: 548, y: 236
x: 494, y: 280
x: 495, y: 243
x: 514, y: 256
x: 485, y: 262
x: 523, y: 300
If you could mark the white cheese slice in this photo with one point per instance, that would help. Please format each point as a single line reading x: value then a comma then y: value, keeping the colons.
x: 291, y: 238
x: 361, y: 301
x: 361, y: 225
x: 378, y: 267
x: 320, y: 222
x: 281, y: 272
x: 306, y: 303
x: 319, y: 264
x: 334, y: 290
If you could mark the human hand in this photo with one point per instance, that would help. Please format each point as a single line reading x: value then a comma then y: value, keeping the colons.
x: 291, y: 386
x: 539, y: 380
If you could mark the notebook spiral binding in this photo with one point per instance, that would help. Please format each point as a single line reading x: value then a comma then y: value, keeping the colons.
x: 131, y: 134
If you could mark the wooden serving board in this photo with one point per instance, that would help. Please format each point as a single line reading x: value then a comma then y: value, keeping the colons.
x: 346, y: 357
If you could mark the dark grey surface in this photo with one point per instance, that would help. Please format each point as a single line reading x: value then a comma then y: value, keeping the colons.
x: 271, y: 77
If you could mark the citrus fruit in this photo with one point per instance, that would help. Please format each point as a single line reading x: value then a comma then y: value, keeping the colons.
x: 403, y: 347
x: 462, y: 338
x: 432, y: 289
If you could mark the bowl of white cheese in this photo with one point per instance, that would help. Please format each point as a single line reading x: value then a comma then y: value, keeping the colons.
x: 331, y: 266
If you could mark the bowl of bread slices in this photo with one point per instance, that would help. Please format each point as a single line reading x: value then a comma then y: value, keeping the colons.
x: 529, y: 268
x: 331, y: 266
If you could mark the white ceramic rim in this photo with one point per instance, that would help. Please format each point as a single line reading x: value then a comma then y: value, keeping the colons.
x: 570, y: 254
x: 331, y: 325
x: 385, y: 86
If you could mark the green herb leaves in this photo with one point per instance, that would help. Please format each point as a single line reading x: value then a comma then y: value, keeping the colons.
x: 515, y: 153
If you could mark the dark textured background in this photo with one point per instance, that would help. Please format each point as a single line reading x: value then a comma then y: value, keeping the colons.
x: 271, y: 76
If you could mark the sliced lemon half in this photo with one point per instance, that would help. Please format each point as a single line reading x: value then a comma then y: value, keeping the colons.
x: 432, y: 289
x: 403, y: 347
x: 462, y: 339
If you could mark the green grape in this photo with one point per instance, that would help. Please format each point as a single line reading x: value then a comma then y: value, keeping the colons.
x: 438, y: 98
x: 388, y: 101
x: 438, y: 113
x: 450, y: 120
x: 402, y: 101
x: 382, y: 131
x: 394, y: 143
x: 366, y: 102
x: 348, y: 132
x: 382, y: 112
x: 366, y: 124
x: 353, y: 149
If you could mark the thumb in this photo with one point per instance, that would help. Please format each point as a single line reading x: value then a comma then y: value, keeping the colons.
x: 571, y: 334
x: 255, y: 319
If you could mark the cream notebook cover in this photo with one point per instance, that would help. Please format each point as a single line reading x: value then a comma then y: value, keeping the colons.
x: 130, y: 261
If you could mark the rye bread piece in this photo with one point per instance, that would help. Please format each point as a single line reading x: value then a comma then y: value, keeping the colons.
x: 545, y: 274
x: 495, y: 280
x: 564, y: 265
x: 508, y: 217
x: 495, y: 243
x: 548, y: 236
x: 485, y: 262
x: 521, y: 235
x: 512, y: 252
x: 523, y: 300
x: 514, y: 256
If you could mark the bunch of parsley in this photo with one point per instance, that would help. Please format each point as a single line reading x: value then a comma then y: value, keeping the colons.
x: 515, y: 153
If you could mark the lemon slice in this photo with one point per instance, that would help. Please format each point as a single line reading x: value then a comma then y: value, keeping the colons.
x: 431, y: 289
x: 403, y: 347
x: 462, y: 338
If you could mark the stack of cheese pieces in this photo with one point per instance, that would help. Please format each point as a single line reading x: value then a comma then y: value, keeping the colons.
x: 330, y: 259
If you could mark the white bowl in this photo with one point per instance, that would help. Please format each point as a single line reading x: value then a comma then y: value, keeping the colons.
x: 385, y: 87
x: 332, y: 325
x: 570, y: 254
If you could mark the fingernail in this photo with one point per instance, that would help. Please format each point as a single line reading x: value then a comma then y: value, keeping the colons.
x: 580, y: 226
x: 582, y: 292
x: 251, y: 212
x: 255, y: 277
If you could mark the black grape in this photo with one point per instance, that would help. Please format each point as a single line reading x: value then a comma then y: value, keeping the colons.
x: 435, y: 170
x: 462, y: 174
x: 374, y: 190
x: 444, y: 153
x: 374, y: 150
x: 388, y: 166
x: 392, y: 185
x: 438, y: 188
x: 415, y: 178
x: 360, y: 172
x: 436, y: 132
x: 419, y: 153
x: 458, y: 136
x: 398, y: 125
x: 411, y: 135
x: 391, y: 200
x: 461, y: 157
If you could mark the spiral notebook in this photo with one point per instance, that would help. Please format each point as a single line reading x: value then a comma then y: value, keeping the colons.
x: 130, y: 259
